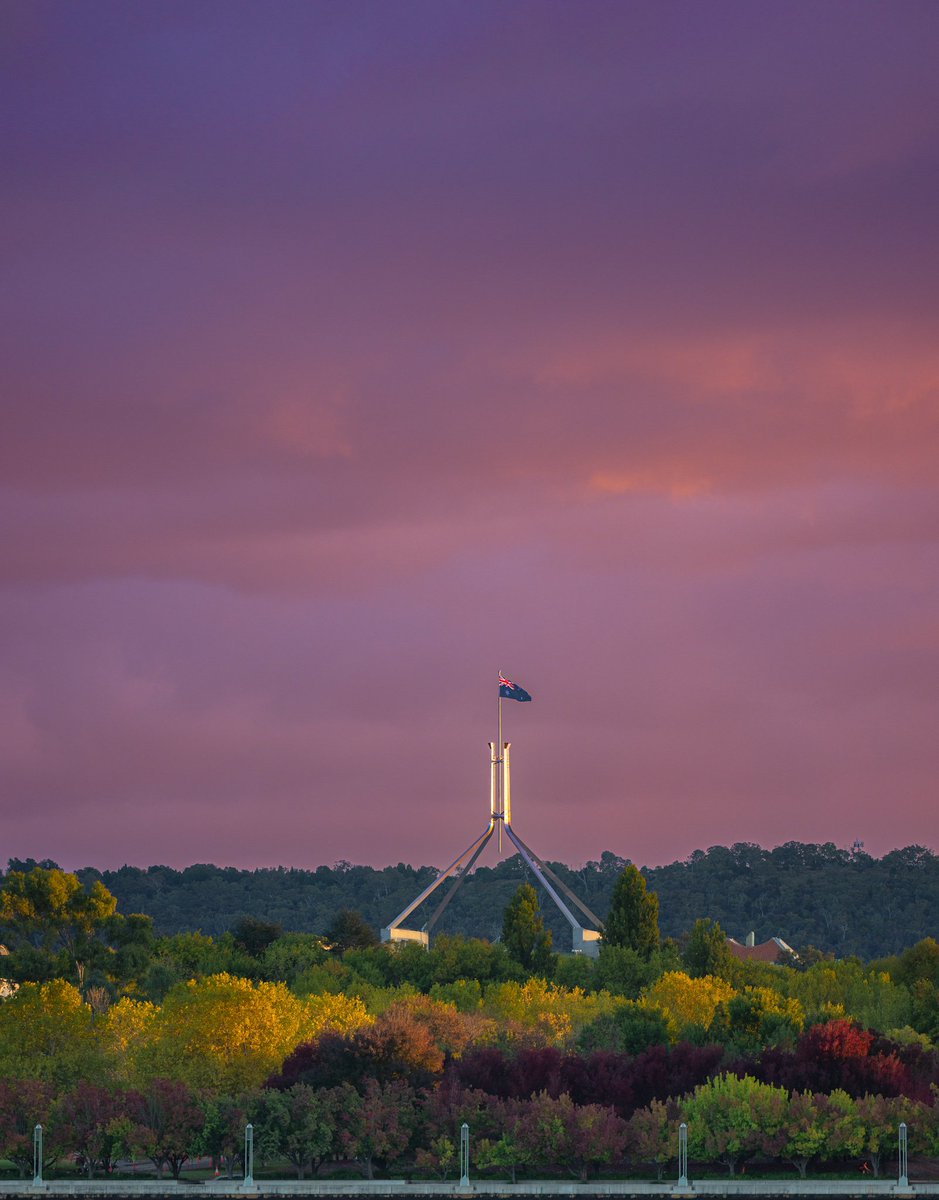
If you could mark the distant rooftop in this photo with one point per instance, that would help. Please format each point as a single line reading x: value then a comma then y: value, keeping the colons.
x: 770, y: 951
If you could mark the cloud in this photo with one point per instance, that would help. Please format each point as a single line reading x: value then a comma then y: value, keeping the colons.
x: 353, y: 357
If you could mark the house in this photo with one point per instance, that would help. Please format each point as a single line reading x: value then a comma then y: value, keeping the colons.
x: 770, y: 951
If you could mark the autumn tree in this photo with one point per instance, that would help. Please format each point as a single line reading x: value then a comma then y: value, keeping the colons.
x: 505, y: 1152
x: 599, y: 1138
x: 687, y: 1001
x: 524, y: 934
x: 803, y: 1132
x: 381, y: 1127
x: 168, y: 1121
x: 123, y: 1034
x: 633, y: 919
x: 25, y: 1103
x: 229, y: 1034
x: 94, y: 1124
x: 879, y: 1119
x: 652, y: 1134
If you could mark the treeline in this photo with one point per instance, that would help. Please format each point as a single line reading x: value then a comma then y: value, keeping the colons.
x: 842, y: 902
x: 396, y: 1128
x: 341, y: 1049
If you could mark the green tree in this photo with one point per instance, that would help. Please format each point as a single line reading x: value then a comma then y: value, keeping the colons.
x: 291, y: 954
x: 803, y: 1132
x: 253, y: 936
x: 731, y: 1118
x: 524, y: 934
x: 300, y: 1124
x: 630, y: 1028
x: 350, y: 931
x: 46, y: 912
x: 46, y: 1032
x: 633, y: 920
x: 707, y: 952
x: 223, y: 1130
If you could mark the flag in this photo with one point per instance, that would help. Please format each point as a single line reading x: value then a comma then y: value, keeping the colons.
x: 511, y: 691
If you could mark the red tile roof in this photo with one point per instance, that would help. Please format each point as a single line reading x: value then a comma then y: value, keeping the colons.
x: 770, y: 951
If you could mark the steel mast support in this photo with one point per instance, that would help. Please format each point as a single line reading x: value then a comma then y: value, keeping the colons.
x: 584, y: 939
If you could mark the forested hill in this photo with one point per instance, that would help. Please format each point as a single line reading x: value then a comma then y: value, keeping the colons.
x: 840, y: 901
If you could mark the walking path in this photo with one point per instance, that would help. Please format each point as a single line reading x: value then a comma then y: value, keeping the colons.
x: 220, y: 1189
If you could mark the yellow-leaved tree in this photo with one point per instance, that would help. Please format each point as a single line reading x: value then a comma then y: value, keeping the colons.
x: 686, y: 1001
x: 124, y: 1033
x: 227, y: 1034
x: 545, y: 1012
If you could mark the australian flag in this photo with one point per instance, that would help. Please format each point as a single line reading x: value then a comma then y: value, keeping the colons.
x: 511, y: 691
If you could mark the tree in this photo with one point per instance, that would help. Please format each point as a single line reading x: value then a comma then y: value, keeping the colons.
x: 48, y: 911
x: 224, y: 1033
x: 633, y: 920
x: 24, y: 1103
x: 223, y: 1130
x: 46, y: 1032
x: 599, y: 1137
x: 253, y: 936
x: 688, y: 1001
x: 652, y: 1134
x: 630, y: 1028
x: 381, y: 1126
x: 524, y: 934
x: 300, y: 1124
x: 350, y: 931
x: 730, y: 1118
x: 123, y: 1035
x: 803, y: 1131
x: 879, y: 1119
x: 289, y: 955
x: 707, y: 952
x: 94, y: 1121
x: 169, y: 1121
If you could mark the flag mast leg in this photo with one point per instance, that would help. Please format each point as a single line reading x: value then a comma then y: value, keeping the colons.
x: 501, y: 758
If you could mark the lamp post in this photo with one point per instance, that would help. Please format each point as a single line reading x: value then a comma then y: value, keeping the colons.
x: 902, y: 1158
x: 249, y: 1156
x: 464, y: 1155
x: 37, y: 1156
x: 683, y: 1155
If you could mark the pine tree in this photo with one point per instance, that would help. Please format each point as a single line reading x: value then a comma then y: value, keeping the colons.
x: 633, y: 921
x: 524, y: 934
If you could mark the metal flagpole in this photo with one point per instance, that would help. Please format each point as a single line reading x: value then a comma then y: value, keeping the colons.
x: 501, y: 754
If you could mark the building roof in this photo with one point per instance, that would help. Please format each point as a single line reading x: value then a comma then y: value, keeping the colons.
x: 769, y: 951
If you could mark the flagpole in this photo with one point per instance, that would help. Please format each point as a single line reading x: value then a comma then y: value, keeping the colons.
x: 501, y: 769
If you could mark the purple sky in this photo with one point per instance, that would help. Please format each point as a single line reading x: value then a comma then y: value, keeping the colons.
x: 355, y: 351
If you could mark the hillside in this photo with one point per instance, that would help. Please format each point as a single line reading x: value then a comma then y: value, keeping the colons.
x: 840, y: 901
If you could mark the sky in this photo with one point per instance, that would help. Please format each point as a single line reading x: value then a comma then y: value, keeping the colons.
x: 354, y: 353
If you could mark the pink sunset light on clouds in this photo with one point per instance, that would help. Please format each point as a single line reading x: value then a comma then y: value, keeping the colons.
x: 353, y: 353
